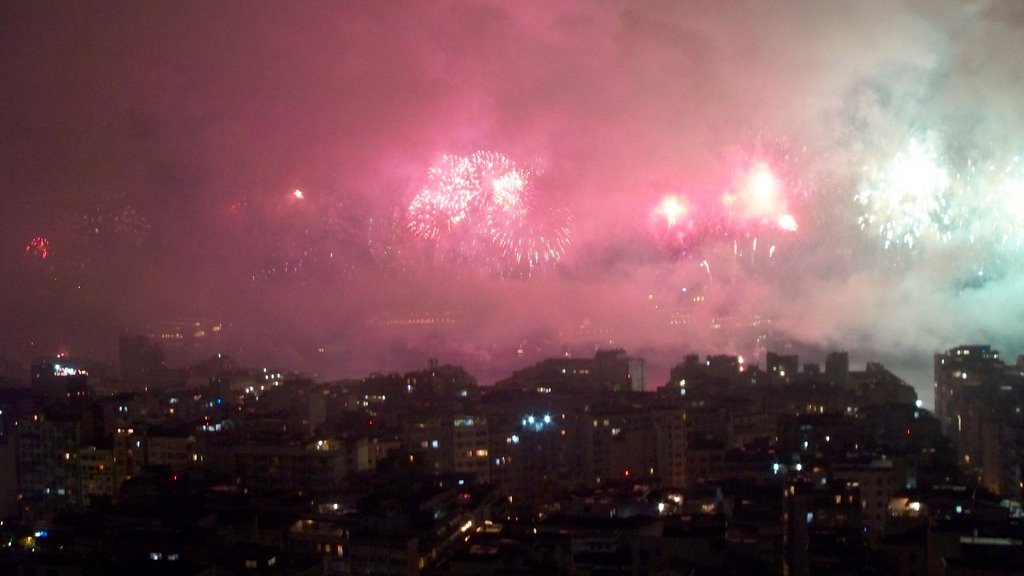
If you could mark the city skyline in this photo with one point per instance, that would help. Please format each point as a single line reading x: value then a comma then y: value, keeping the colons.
x: 346, y: 188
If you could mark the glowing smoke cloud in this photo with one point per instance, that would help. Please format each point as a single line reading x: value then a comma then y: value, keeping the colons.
x: 616, y: 96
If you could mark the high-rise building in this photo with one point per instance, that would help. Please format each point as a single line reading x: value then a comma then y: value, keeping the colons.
x: 98, y: 471
x: 956, y: 370
x: 8, y: 464
x: 608, y: 370
x: 470, y: 445
x: 782, y: 367
x: 713, y: 374
x: 837, y: 368
x: 637, y: 374
x: 449, y: 443
x: 141, y: 358
x: 59, y: 379
x: 49, y: 475
x: 670, y: 435
x: 535, y: 464
x: 980, y: 403
x: 622, y: 445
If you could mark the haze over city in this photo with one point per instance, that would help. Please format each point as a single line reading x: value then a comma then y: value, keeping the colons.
x: 358, y: 186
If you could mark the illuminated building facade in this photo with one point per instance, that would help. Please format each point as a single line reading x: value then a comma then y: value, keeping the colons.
x: 623, y: 446
x: 57, y: 379
x: 99, y: 474
x: 956, y: 370
x: 610, y: 370
x: 670, y: 428
x: 980, y: 403
x: 470, y: 447
x: 48, y: 462
x: 782, y: 368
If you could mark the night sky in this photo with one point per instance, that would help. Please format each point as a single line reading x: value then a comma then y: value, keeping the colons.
x: 295, y: 172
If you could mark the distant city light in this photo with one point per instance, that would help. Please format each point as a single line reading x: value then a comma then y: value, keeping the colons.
x: 63, y: 370
x: 537, y: 423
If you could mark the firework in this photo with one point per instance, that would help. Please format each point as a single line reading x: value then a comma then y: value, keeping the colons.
x: 788, y: 223
x: 988, y: 208
x: 707, y: 268
x: 478, y: 209
x: 121, y: 224
x: 758, y: 195
x: 38, y: 247
x: 743, y: 229
x: 926, y: 196
x: 758, y: 199
x: 906, y: 198
x: 444, y: 203
x: 505, y: 188
x: 755, y: 203
x: 672, y: 209
x: 532, y: 244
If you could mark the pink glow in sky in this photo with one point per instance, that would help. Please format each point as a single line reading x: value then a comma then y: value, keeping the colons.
x: 152, y: 143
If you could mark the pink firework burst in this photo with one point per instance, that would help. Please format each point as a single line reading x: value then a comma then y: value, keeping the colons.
x: 478, y: 210
x: 38, y: 247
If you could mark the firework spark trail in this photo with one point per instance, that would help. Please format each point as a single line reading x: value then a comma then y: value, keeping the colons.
x: 906, y: 199
x: 991, y: 206
x: 707, y: 267
x: 504, y: 188
x: 478, y: 209
x: 445, y: 200
x: 524, y: 249
x: 923, y: 196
